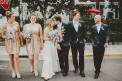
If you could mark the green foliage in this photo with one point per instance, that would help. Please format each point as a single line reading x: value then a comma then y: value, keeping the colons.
x: 56, y: 6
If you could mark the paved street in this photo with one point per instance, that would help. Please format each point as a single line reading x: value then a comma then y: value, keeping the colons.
x: 111, y: 67
x: 111, y: 71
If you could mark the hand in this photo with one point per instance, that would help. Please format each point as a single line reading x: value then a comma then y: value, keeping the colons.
x: 106, y: 45
x: 22, y: 44
x: 58, y: 47
x: 42, y: 45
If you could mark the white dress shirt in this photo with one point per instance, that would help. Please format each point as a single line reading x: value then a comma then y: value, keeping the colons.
x: 98, y: 27
x: 76, y: 25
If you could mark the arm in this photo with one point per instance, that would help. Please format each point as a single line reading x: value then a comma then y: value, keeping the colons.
x: 19, y: 34
x: 3, y: 32
x: 41, y: 36
x: 46, y: 34
x: 107, y: 37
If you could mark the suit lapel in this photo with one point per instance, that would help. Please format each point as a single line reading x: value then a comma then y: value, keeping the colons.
x: 79, y: 27
x: 95, y: 29
x: 101, y: 29
x: 73, y: 27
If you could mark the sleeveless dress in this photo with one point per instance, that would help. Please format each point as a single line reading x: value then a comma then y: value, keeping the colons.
x: 11, y: 43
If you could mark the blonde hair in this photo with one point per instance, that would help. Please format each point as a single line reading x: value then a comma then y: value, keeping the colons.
x: 8, y: 14
x: 49, y: 23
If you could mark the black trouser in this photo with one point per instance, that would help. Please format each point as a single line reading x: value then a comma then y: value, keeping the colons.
x: 98, y: 54
x: 75, y: 48
x: 63, y: 58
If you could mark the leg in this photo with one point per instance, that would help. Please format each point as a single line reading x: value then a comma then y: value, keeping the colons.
x: 74, y: 56
x: 11, y: 63
x: 36, y: 64
x: 16, y: 63
x: 31, y: 60
x: 66, y: 60
x: 98, y: 53
x: 60, y: 56
x: 81, y: 57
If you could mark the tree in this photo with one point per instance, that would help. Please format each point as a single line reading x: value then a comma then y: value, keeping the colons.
x: 50, y: 7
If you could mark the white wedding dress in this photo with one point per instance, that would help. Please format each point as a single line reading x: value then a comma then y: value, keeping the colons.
x: 49, y: 57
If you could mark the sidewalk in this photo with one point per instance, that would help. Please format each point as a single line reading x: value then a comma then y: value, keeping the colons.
x: 111, y: 71
x: 111, y: 50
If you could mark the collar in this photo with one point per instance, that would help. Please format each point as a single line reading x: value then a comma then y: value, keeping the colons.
x: 60, y: 24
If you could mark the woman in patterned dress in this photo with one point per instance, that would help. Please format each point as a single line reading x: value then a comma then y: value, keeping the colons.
x: 34, y: 42
x: 11, y: 33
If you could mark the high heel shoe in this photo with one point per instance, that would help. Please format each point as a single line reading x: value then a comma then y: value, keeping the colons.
x: 36, y: 73
x: 13, y: 75
x: 18, y: 75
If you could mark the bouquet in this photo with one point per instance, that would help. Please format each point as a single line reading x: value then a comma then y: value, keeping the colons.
x: 55, y: 36
x: 27, y: 35
x: 10, y: 34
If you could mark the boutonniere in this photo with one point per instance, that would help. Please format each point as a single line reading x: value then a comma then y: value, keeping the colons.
x: 62, y: 30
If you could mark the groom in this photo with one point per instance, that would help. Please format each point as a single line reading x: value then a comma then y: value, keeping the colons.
x: 64, y: 45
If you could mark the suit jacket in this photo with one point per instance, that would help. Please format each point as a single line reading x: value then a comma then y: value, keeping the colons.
x: 77, y: 36
x: 65, y: 35
x: 100, y: 38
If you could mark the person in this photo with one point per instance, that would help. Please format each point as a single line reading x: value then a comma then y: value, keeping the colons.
x: 32, y: 33
x: 49, y: 54
x: 13, y: 40
x: 77, y: 32
x: 64, y: 45
x: 100, y: 39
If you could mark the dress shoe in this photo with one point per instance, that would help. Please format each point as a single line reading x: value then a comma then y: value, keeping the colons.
x: 65, y: 74
x: 82, y: 74
x: 76, y: 71
x: 96, y: 75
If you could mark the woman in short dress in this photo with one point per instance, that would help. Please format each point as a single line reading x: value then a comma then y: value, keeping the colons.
x: 49, y: 54
x: 11, y: 33
x: 32, y: 32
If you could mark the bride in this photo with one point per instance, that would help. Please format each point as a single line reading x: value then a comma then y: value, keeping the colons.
x: 49, y: 54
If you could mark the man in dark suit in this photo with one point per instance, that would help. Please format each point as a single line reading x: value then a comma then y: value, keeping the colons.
x: 64, y: 45
x: 77, y: 33
x: 99, y: 38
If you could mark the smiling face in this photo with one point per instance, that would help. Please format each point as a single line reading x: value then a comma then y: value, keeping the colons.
x: 33, y: 19
x: 97, y: 19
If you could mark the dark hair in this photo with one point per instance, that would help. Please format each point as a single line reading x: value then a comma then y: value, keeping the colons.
x: 57, y: 18
x: 75, y: 13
